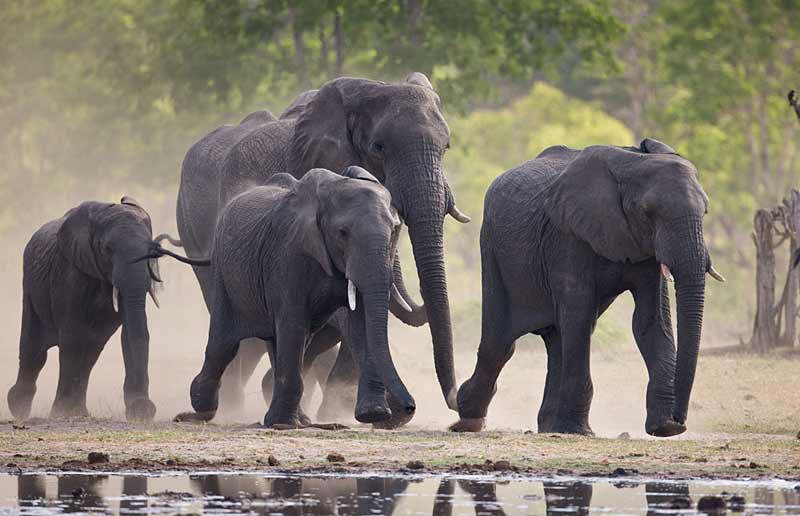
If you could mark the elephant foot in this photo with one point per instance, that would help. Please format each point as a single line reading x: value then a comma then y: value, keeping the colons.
x: 283, y: 421
x: 667, y: 428
x: 20, y: 399
x: 64, y: 410
x: 372, y: 413
x: 141, y: 409
x: 401, y: 415
x: 303, y: 418
x: 468, y: 424
x: 194, y: 417
x: 577, y: 428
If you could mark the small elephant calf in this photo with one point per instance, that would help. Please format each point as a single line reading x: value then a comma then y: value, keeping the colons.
x: 84, y: 275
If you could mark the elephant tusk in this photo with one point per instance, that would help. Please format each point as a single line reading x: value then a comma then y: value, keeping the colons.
x: 400, y: 301
x: 459, y: 215
x: 115, y: 299
x: 351, y: 294
x: 714, y: 274
x: 154, y: 297
x: 666, y: 273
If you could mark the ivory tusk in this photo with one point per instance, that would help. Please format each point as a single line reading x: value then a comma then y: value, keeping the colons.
x: 351, y: 294
x: 714, y: 274
x: 666, y: 273
x: 115, y: 299
x: 397, y: 297
x: 459, y: 215
x: 154, y: 297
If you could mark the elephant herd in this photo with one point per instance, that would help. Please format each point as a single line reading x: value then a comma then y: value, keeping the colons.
x: 291, y: 224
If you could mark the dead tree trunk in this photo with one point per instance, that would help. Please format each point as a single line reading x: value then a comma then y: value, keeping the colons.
x: 775, y: 325
x: 765, y: 332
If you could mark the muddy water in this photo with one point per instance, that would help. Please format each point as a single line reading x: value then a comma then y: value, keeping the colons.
x: 259, y: 494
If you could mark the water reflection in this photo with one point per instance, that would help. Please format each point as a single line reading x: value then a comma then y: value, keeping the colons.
x: 301, y: 495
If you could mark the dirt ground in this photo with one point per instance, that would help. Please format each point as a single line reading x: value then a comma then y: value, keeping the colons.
x: 66, y: 445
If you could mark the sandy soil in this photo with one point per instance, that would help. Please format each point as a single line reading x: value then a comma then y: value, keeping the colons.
x: 65, y: 445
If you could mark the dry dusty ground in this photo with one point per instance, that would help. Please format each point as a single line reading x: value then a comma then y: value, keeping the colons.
x: 41, y: 445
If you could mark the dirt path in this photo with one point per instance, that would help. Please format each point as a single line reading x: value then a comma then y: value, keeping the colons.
x: 47, y: 445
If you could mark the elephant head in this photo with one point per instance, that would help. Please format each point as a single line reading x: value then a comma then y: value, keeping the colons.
x: 347, y: 224
x: 106, y: 242
x: 641, y: 203
x: 398, y: 132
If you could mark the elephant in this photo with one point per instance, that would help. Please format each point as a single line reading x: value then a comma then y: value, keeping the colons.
x: 286, y: 256
x: 84, y: 276
x: 563, y: 235
x: 396, y: 131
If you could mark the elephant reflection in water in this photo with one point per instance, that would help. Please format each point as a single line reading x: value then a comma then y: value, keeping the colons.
x: 662, y: 496
x: 295, y: 495
x: 76, y: 492
x: 574, y: 496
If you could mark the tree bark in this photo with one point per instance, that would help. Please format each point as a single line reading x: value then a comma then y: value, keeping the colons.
x: 764, y: 331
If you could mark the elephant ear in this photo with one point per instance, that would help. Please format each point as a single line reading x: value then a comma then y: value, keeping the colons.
x: 76, y: 236
x: 585, y: 201
x: 356, y: 172
x: 420, y: 79
x: 127, y: 200
x: 323, y: 132
x: 306, y: 228
x: 652, y: 146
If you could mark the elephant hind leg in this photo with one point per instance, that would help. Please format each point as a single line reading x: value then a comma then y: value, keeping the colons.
x: 33, y: 345
x: 238, y: 373
x: 552, y: 389
x: 77, y: 355
x: 495, y: 349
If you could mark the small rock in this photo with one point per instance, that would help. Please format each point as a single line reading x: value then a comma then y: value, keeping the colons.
x: 701, y: 459
x: 680, y: 503
x: 530, y: 432
x: 335, y: 457
x: 415, y: 464
x: 78, y: 492
x: 97, y: 457
x: 11, y: 465
x: 749, y: 397
x: 711, y: 505
x: 272, y: 461
x: 301, y: 457
x: 754, y: 465
x: 502, y: 465
x: 19, y: 427
x: 171, y: 462
x: 624, y: 436
x: 619, y: 472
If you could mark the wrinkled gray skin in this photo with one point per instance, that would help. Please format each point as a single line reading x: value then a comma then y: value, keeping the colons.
x: 282, y: 258
x: 396, y: 131
x: 563, y: 235
x: 71, y: 266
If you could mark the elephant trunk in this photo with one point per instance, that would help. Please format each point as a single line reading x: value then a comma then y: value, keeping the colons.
x: 424, y: 201
x: 133, y: 285
x: 401, y: 304
x: 688, y: 260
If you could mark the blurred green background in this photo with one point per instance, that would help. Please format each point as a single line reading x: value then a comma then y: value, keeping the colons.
x: 99, y: 98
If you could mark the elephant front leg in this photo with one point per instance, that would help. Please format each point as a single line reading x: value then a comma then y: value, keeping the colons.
x: 548, y: 412
x: 291, y: 336
x: 136, y: 387
x: 371, y: 405
x: 576, y: 323
x: 652, y: 329
x: 33, y: 344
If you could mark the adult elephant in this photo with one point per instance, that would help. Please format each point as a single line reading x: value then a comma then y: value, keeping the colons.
x: 396, y: 131
x: 563, y: 235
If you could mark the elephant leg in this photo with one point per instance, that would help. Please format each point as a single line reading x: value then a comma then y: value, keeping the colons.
x: 290, y: 343
x: 76, y: 358
x: 339, y: 391
x: 652, y: 329
x: 33, y: 344
x: 576, y: 323
x: 495, y: 349
x: 238, y: 373
x: 552, y: 387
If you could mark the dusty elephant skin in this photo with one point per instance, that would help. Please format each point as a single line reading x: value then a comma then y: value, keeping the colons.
x: 286, y: 256
x: 565, y: 234
x: 396, y: 131
x: 85, y: 274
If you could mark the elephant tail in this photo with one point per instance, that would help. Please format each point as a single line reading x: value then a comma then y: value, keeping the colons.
x: 156, y: 252
x: 166, y: 236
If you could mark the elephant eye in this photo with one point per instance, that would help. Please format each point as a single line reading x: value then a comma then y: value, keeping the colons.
x: 377, y: 147
x: 343, y: 232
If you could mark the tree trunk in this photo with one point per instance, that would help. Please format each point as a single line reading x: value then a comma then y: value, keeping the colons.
x: 764, y: 330
x: 338, y: 38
